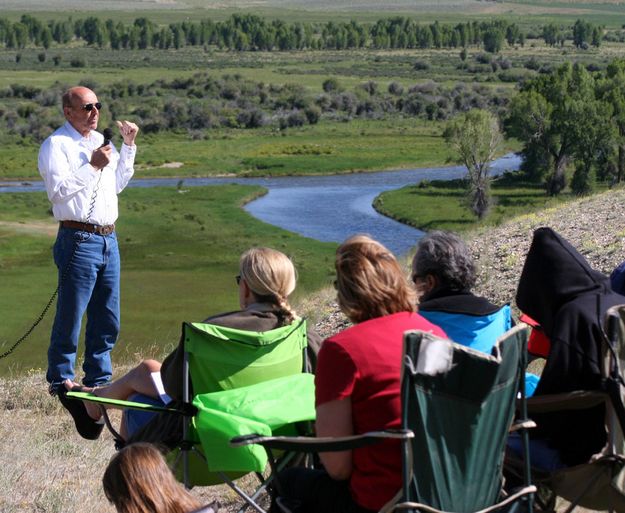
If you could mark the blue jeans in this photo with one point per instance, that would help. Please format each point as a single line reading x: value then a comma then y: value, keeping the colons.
x: 91, y: 284
x: 136, y: 419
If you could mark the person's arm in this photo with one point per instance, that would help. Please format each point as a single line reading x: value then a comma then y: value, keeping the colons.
x: 171, y: 372
x: 335, y: 419
x: 55, y: 169
x: 125, y: 165
x: 334, y: 384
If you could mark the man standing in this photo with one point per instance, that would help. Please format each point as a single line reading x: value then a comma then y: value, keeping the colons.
x: 83, y: 173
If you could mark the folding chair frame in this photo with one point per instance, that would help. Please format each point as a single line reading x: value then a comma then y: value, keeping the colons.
x: 608, y: 459
x: 315, y: 445
x: 186, y: 446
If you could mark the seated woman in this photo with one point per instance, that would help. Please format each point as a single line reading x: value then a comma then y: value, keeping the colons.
x: 568, y: 299
x: 137, y: 479
x: 444, y: 274
x: 265, y: 281
x: 358, y: 384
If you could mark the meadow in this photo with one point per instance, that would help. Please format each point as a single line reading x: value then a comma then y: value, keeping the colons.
x: 443, y: 205
x: 180, y: 251
x: 179, y: 260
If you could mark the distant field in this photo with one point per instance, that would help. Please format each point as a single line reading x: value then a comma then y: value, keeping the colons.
x: 606, y: 12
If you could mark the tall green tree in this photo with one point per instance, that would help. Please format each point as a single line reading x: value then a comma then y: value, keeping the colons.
x: 550, y: 115
x: 475, y: 137
x: 612, y: 91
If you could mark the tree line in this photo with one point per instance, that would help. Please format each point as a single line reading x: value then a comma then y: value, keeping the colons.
x: 248, y: 32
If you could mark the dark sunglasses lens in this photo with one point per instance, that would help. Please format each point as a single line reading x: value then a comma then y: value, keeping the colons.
x: 89, y: 106
x: 238, y: 278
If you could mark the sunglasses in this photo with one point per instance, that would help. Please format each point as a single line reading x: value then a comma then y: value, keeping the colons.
x: 238, y: 278
x: 89, y: 106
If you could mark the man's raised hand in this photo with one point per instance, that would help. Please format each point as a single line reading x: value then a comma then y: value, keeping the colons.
x: 128, y: 131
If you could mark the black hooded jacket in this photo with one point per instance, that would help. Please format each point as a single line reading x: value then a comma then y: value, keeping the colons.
x: 569, y: 299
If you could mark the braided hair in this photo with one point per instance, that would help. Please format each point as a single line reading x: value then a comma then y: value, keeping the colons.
x: 271, y: 276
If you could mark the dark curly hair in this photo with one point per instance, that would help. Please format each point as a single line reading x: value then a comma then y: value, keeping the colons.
x: 445, y: 256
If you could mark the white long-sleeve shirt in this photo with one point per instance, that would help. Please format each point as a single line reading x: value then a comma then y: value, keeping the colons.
x: 70, y: 179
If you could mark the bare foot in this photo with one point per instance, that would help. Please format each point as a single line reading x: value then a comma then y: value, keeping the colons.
x: 93, y: 409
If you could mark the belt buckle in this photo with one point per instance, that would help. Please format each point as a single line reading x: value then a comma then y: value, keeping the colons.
x: 107, y: 230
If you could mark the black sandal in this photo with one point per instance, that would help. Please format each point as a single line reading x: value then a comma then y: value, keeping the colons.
x: 87, y: 427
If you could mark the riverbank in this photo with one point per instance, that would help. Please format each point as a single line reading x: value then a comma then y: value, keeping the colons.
x: 47, y: 467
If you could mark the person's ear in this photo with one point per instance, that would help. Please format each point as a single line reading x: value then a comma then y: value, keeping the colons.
x: 430, y: 282
x: 246, y: 289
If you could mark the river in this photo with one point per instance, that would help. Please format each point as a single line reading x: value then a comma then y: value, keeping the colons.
x: 326, y: 208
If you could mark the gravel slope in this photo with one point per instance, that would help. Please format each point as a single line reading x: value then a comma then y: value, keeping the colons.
x: 595, y: 226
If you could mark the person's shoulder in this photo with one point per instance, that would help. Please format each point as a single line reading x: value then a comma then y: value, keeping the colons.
x: 250, y: 319
x: 59, y: 136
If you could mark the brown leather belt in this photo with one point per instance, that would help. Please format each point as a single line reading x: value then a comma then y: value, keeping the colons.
x: 86, y: 227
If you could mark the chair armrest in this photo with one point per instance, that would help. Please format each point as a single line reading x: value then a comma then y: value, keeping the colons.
x: 324, y: 444
x: 525, y: 424
x: 577, y: 400
x: 412, y: 506
x: 118, y: 403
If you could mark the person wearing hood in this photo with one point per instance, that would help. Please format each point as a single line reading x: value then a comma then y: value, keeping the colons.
x: 568, y: 299
x: 444, y: 273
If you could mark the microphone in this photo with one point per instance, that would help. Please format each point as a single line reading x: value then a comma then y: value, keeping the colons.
x: 108, y: 135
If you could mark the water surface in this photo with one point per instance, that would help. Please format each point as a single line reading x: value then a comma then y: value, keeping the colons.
x: 326, y: 208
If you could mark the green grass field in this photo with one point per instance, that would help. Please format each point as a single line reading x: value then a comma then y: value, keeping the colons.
x: 313, y: 149
x: 180, y: 251
x: 179, y: 259
x: 443, y: 205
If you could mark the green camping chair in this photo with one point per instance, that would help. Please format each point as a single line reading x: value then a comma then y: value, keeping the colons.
x: 242, y: 382
x: 457, y: 408
x: 598, y: 484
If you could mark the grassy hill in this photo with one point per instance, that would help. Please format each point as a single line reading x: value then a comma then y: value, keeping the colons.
x: 47, y: 467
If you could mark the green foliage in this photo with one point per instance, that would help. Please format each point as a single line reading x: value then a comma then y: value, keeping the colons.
x: 585, y: 33
x: 560, y: 119
x: 475, y: 138
x: 204, y: 102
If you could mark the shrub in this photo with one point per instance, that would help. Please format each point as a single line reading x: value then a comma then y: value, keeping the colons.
x: 532, y: 64
x: 56, y: 59
x: 253, y: 118
x: 395, y: 88
x: 296, y: 118
x: 41, y: 57
x: 421, y: 66
x: 77, y: 62
x: 330, y: 85
x: 312, y: 114
x: 370, y: 87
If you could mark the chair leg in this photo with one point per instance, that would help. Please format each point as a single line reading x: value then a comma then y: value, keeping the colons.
x: 545, y: 499
x: 248, y: 499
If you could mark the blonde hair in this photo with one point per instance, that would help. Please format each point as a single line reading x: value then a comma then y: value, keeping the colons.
x: 138, y: 480
x: 370, y: 282
x: 271, y: 276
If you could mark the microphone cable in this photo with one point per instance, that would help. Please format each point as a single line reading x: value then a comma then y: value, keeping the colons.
x: 108, y: 134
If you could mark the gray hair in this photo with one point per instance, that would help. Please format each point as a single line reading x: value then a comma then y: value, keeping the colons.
x: 445, y: 256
